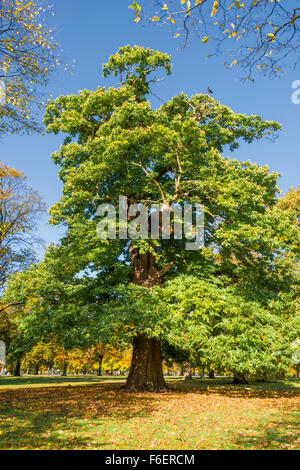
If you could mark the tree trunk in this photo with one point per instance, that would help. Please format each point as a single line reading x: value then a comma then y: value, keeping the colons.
x: 17, y: 369
x: 36, y: 370
x: 211, y: 374
x: 100, y: 366
x: 239, y: 380
x: 146, y: 372
x: 64, y: 371
x: 187, y: 375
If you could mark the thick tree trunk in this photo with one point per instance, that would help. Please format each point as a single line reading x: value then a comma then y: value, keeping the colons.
x: 17, y: 369
x: 146, y: 372
x: 100, y: 366
x: 211, y: 374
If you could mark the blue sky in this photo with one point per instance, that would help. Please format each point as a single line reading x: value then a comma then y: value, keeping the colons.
x: 88, y: 32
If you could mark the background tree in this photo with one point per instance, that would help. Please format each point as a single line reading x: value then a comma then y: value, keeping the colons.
x: 8, y: 327
x: 28, y: 55
x: 99, y: 352
x: 76, y: 360
x: 117, y: 360
x: 20, y: 208
x: 41, y: 355
x: 261, y: 35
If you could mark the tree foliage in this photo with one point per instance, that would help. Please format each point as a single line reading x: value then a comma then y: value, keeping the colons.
x: 20, y: 207
x: 28, y: 55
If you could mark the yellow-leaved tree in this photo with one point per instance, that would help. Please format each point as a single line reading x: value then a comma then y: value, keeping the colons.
x: 28, y: 55
x: 20, y: 207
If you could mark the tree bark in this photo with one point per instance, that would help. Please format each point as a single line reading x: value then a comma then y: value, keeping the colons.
x: 17, y: 369
x: 64, y: 371
x: 100, y: 366
x: 187, y: 375
x: 146, y: 372
x: 211, y: 374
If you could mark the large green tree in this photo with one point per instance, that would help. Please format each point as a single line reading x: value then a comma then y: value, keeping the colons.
x: 124, y: 290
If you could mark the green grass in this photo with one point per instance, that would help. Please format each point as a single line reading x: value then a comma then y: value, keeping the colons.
x: 94, y: 413
x: 33, y: 381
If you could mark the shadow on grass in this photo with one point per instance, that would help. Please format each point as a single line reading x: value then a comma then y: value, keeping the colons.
x: 7, y: 381
x: 196, y: 382
x: 58, y: 417
x: 225, y: 387
x: 76, y: 416
x: 26, y: 430
x: 276, y: 434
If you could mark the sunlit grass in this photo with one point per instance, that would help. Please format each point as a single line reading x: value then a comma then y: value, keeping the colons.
x: 94, y: 413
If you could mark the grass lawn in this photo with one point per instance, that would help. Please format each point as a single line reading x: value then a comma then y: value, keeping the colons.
x: 94, y: 413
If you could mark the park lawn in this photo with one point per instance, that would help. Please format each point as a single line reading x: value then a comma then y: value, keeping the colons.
x: 37, y: 381
x: 211, y: 414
